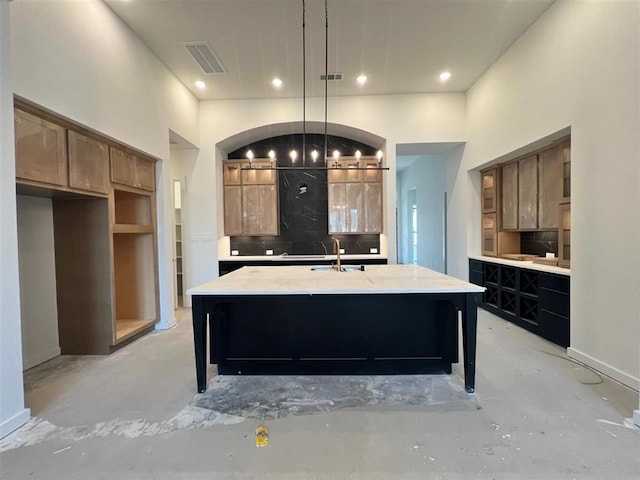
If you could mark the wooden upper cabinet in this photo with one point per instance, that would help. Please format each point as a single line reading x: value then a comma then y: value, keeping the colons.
x: 565, y: 149
x: 346, y: 170
x: 354, y: 195
x: 549, y: 187
x: 373, y: 207
x: 88, y: 163
x: 262, y: 173
x: 528, y: 193
x: 232, y: 173
x: 250, y: 198
x: 510, y: 196
x: 41, y: 149
x: 128, y: 169
x: 489, y: 187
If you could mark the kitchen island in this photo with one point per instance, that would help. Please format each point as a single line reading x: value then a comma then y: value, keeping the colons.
x: 381, y: 319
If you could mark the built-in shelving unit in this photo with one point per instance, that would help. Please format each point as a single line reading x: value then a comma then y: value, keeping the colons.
x: 134, y: 263
x: 103, y: 202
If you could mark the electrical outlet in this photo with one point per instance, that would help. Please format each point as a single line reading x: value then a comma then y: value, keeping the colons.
x: 342, y: 250
x: 235, y: 252
x: 269, y: 252
x: 373, y: 250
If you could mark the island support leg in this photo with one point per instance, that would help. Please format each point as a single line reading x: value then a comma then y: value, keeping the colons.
x: 200, y: 342
x: 469, y: 333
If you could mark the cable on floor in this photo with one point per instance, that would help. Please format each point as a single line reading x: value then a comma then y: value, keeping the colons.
x: 569, y: 359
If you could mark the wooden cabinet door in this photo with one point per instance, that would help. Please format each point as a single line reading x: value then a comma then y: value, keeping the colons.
x: 550, y: 187
x: 232, y: 173
x: 268, y: 210
x: 510, y: 196
x: 489, y: 234
x: 528, y: 193
x: 489, y: 186
x: 261, y: 173
x: 337, y: 208
x: 372, y: 174
x: 565, y: 148
x: 233, y: 210
x: 564, y: 235
x: 127, y: 169
x: 355, y: 207
x: 41, y: 149
x: 373, y: 207
x: 145, y: 174
x: 88, y: 163
x: 251, y: 209
x: 123, y: 168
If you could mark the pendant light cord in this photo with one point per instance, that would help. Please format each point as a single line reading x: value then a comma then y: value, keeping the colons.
x: 326, y: 74
x: 304, y: 88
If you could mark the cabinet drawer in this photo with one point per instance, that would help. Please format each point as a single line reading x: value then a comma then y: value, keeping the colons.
x: 554, y: 282
x: 475, y: 266
x: 554, y: 328
x: 476, y: 278
x: 554, y: 301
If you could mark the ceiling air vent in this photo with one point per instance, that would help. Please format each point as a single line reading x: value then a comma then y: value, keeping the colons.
x: 331, y: 76
x: 208, y: 61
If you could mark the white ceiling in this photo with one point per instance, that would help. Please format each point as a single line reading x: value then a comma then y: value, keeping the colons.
x: 401, y: 45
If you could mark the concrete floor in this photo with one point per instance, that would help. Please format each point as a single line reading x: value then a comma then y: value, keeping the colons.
x: 135, y: 415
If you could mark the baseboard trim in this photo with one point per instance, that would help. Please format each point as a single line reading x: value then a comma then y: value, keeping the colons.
x: 608, y: 370
x: 15, y: 422
x: 40, y: 357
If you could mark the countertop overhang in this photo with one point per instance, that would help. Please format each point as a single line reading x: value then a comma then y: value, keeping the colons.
x: 302, y: 280
x: 523, y: 264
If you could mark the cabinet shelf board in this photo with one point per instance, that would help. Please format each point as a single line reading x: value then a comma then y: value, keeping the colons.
x: 127, y: 328
x: 131, y: 228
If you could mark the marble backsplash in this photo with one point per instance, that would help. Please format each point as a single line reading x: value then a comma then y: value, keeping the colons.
x: 539, y: 243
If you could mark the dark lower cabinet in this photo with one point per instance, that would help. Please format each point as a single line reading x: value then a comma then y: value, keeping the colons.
x: 534, y: 300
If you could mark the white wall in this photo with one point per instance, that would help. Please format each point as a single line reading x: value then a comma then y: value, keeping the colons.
x: 578, y: 66
x: 428, y: 176
x: 36, y: 259
x: 80, y: 61
x: 12, y: 411
x: 425, y: 118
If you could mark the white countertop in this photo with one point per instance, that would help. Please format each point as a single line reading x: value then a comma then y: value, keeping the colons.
x: 301, y: 280
x: 291, y: 258
x: 523, y: 264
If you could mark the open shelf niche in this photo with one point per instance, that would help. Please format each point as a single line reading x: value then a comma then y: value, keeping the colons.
x: 135, y: 271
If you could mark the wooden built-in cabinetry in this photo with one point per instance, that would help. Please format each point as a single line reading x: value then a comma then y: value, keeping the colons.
x: 131, y: 170
x: 531, y: 189
x: 531, y: 193
x: 355, y: 196
x: 250, y: 198
x: 104, y: 214
x: 494, y: 241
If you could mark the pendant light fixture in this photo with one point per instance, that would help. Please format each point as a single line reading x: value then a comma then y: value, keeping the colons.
x: 293, y: 155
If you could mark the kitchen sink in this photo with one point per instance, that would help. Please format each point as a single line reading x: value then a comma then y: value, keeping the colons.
x: 343, y: 268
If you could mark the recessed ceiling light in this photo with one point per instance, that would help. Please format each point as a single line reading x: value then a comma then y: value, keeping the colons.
x: 200, y: 84
x: 444, y: 76
x: 276, y: 82
x: 362, y: 79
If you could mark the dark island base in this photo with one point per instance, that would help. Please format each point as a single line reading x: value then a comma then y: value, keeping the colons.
x: 334, y: 334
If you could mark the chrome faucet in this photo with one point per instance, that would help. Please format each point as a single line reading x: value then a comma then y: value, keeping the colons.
x: 336, y: 246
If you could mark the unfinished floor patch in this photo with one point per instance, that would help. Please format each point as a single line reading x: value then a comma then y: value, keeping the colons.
x: 270, y: 397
